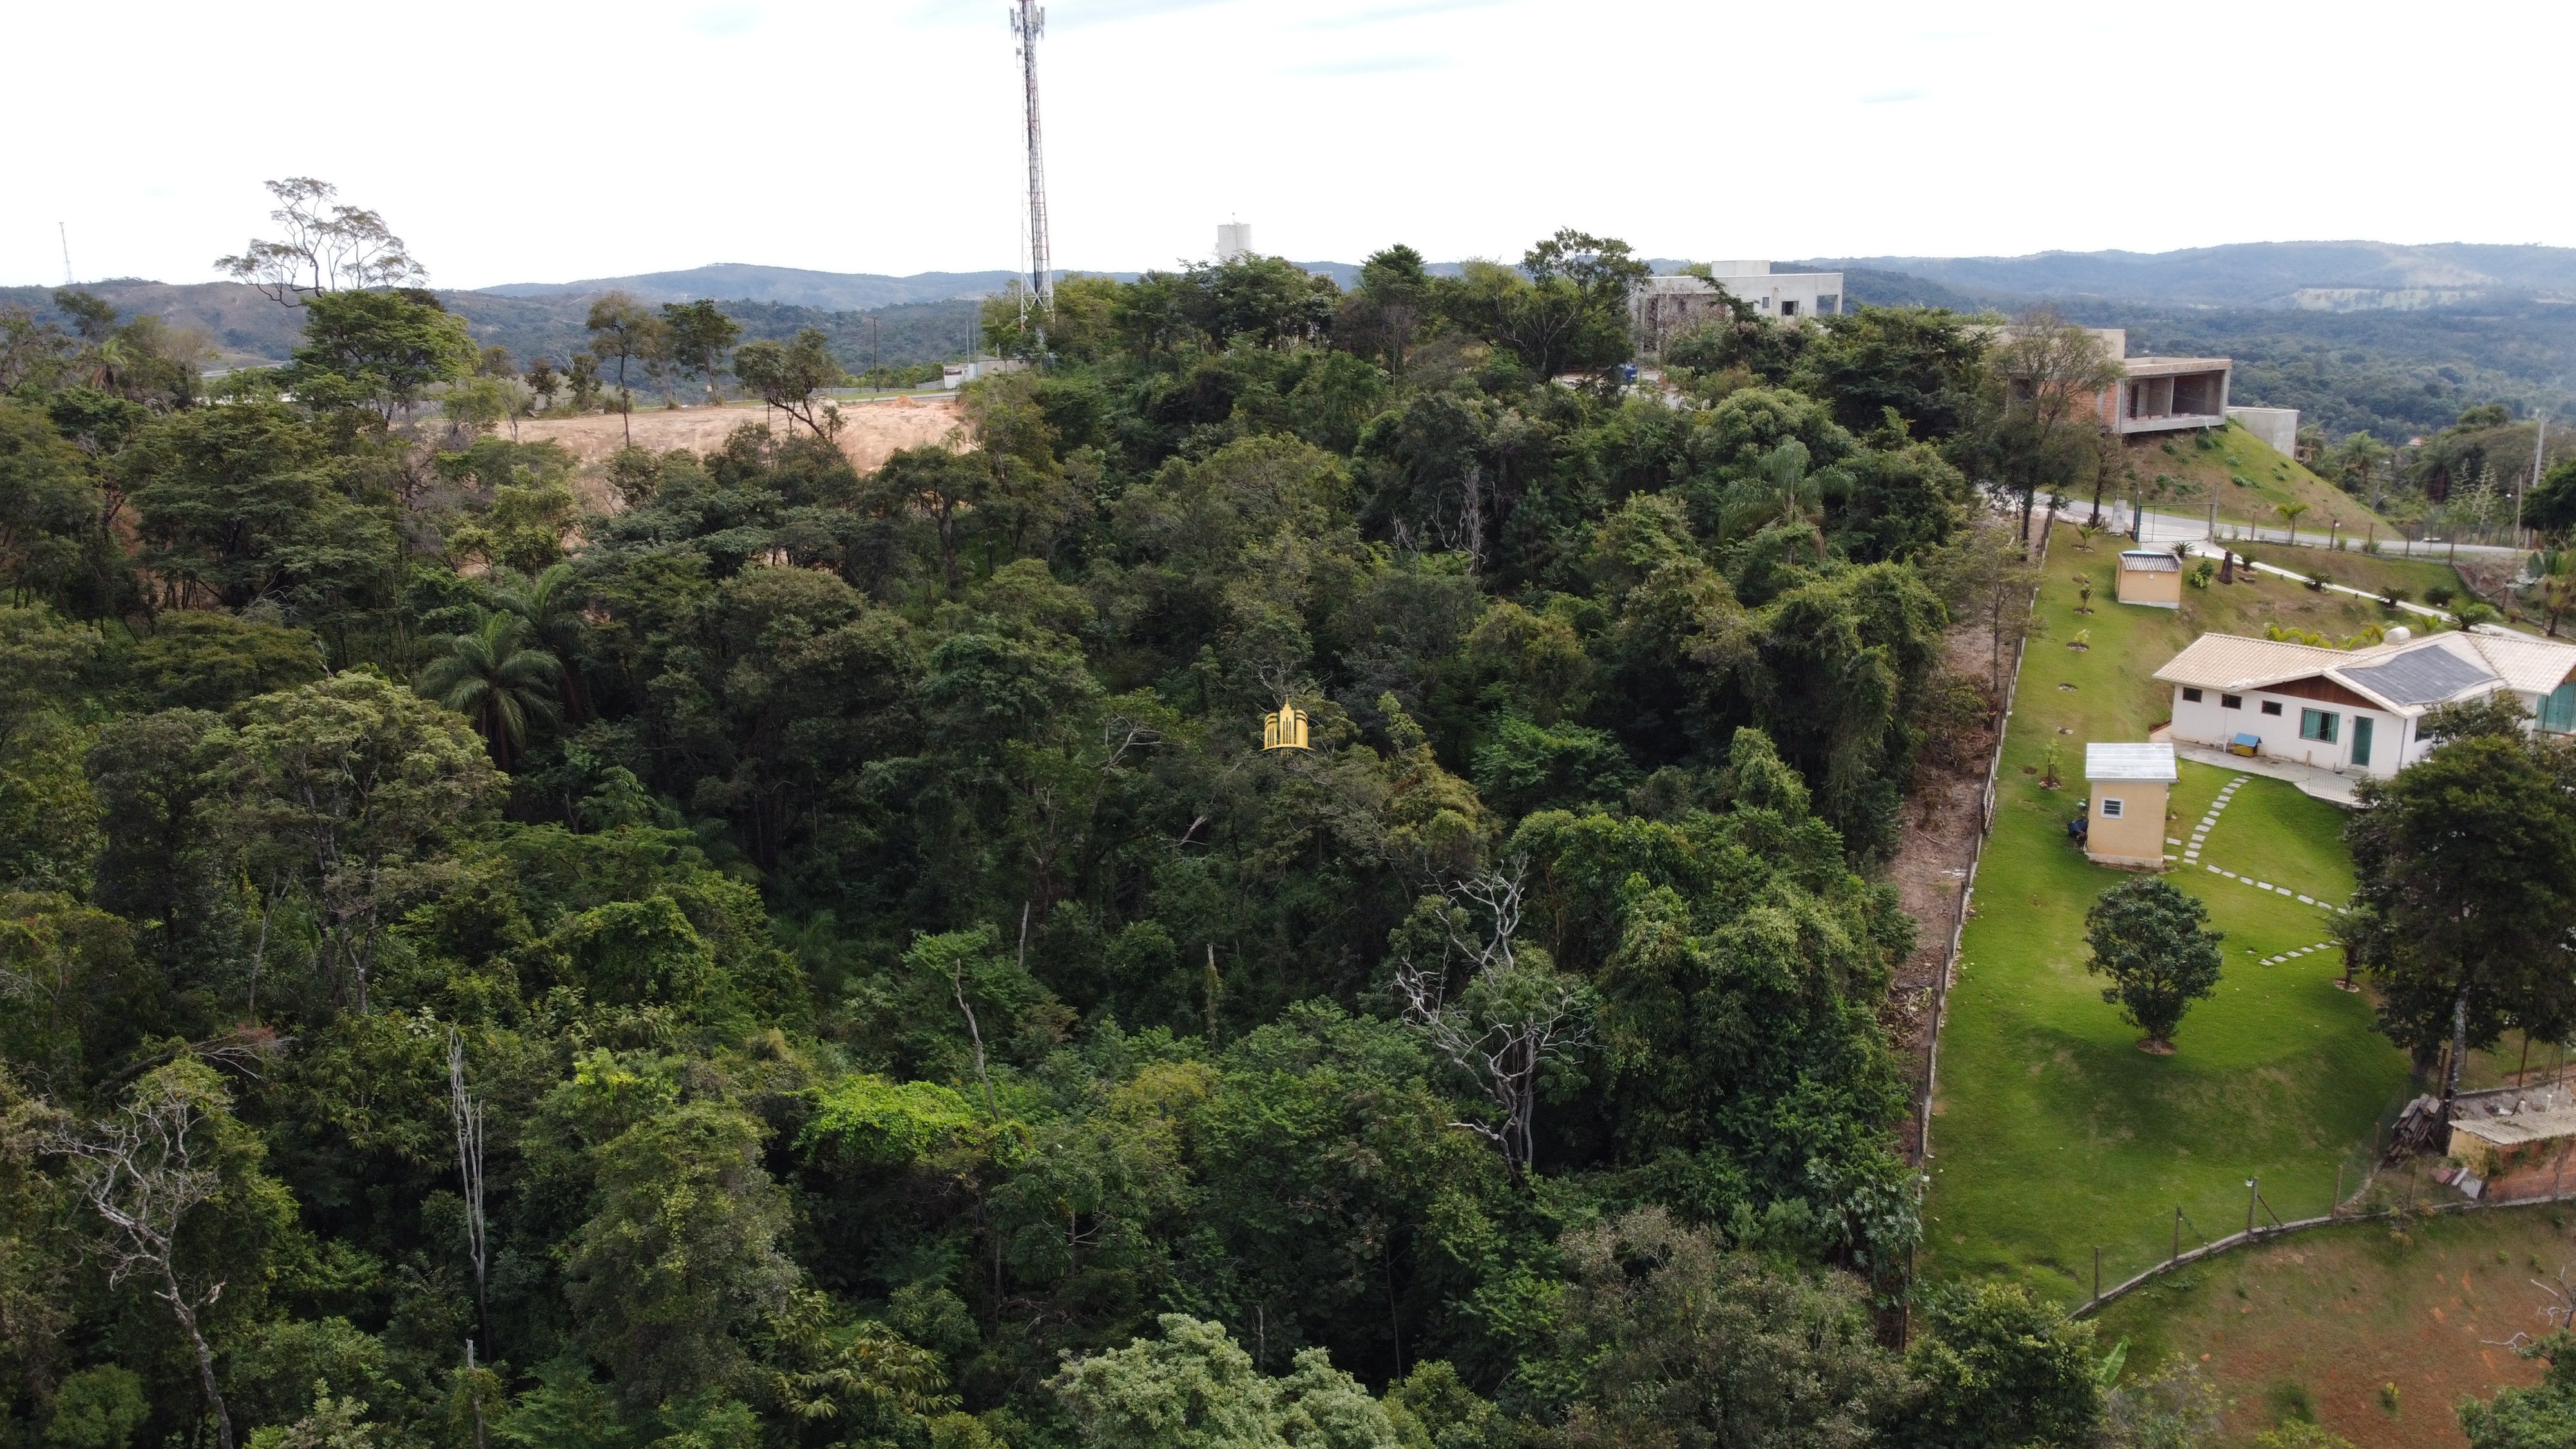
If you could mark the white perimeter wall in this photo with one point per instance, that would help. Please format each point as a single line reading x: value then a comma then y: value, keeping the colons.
x: 2278, y: 427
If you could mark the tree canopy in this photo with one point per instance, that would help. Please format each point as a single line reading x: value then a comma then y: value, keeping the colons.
x: 797, y: 957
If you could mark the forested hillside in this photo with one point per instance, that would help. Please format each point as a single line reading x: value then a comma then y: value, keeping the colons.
x: 813, y: 959
x: 240, y: 327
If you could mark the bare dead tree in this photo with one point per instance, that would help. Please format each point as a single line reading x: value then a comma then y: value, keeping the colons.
x: 1119, y: 734
x: 467, y: 1114
x: 143, y: 1172
x: 1471, y: 514
x: 329, y: 246
x: 974, y: 1032
x: 1513, y: 1013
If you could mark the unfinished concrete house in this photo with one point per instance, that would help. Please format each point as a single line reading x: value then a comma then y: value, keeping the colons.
x: 2162, y: 393
x: 2155, y: 394
x: 1664, y: 308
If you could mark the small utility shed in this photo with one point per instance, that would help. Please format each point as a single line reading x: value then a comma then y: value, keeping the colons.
x: 2151, y: 577
x: 2126, y: 817
x: 2496, y: 1133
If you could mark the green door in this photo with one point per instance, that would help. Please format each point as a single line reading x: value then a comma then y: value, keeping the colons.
x: 2361, y: 739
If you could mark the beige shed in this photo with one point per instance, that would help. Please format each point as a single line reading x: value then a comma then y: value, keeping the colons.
x: 2125, y: 820
x: 2151, y: 577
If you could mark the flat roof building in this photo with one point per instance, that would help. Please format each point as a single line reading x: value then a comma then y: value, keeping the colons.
x: 1664, y: 308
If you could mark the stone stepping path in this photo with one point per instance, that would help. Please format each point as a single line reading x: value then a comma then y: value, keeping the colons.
x: 2209, y: 822
x: 2200, y: 837
x: 2265, y: 885
x: 2302, y: 951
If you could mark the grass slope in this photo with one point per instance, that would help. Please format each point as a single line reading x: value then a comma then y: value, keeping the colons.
x: 2313, y: 1326
x: 2053, y: 1134
x: 2355, y: 569
x: 2246, y: 477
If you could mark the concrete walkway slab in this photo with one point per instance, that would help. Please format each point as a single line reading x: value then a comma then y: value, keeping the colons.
x: 2324, y: 784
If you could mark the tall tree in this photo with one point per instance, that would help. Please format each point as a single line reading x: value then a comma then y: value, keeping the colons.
x: 171, y: 1153
x: 1923, y: 365
x: 622, y: 328
x: 1565, y: 309
x: 2467, y: 868
x: 329, y: 246
x: 1511, y: 1019
x: 377, y: 350
x: 683, y: 1254
x: 350, y: 791
x: 787, y: 375
x: 2045, y: 437
x: 700, y: 335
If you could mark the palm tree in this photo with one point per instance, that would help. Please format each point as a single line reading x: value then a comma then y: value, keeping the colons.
x: 555, y: 621
x: 493, y: 674
x: 1781, y: 494
x: 2290, y: 515
x: 2556, y: 569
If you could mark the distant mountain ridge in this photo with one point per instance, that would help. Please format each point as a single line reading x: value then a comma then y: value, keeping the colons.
x: 2314, y: 275
x: 786, y: 286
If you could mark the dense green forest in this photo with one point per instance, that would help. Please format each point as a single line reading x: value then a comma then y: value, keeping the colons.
x: 810, y: 958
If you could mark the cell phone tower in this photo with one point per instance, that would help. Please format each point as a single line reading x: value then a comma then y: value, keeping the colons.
x: 1028, y: 22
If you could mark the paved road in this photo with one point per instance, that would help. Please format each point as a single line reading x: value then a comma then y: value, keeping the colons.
x: 2182, y: 528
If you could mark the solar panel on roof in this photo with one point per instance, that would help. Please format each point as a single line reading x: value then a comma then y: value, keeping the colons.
x: 2419, y: 676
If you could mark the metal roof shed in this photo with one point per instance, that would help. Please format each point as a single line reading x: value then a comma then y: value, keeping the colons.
x: 2131, y: 762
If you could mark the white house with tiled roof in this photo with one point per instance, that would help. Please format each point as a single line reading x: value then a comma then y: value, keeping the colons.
x: 2357, y: 710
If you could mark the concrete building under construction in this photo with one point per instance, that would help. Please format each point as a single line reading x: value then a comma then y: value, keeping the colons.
x: 1664, y: 308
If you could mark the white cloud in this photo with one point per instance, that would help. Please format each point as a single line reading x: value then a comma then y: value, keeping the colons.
x: 725, y: 19
x: 516, y: 142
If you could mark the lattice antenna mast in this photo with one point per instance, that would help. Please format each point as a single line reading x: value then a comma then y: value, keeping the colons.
x: 1028, y: 22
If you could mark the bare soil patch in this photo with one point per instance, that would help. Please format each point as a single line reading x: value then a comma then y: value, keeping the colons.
x: 2329, y: 1318
x: 1943, y: 821
x: 871, y: 432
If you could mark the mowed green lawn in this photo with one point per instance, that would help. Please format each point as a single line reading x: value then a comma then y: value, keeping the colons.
x: 2053, y: 1134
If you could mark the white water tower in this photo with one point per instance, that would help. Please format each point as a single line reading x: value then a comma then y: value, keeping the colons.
x: 1233, y: 241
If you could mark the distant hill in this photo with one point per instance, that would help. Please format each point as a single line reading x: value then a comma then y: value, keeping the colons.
x: 1869, y: 287
x: 2318, y: 276
x: 245, y: 326
x: 787, y: 286
x: 2395, y: 339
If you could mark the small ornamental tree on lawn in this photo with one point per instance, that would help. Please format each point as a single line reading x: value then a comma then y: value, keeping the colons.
x: 2147, y: 937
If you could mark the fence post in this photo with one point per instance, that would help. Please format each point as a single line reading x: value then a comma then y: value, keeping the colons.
x: 2251, y: 1193
x: 2097, y: 1274
x: 2337, y: 1205
x: 2177, y: 1251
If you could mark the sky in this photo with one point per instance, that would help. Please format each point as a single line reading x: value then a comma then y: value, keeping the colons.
x: 531, y: 142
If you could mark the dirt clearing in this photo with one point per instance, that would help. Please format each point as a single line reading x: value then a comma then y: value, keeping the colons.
x: 2322, y: 1324
x: 871, y: 431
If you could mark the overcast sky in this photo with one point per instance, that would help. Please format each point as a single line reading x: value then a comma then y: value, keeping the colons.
x: 883, y: 135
